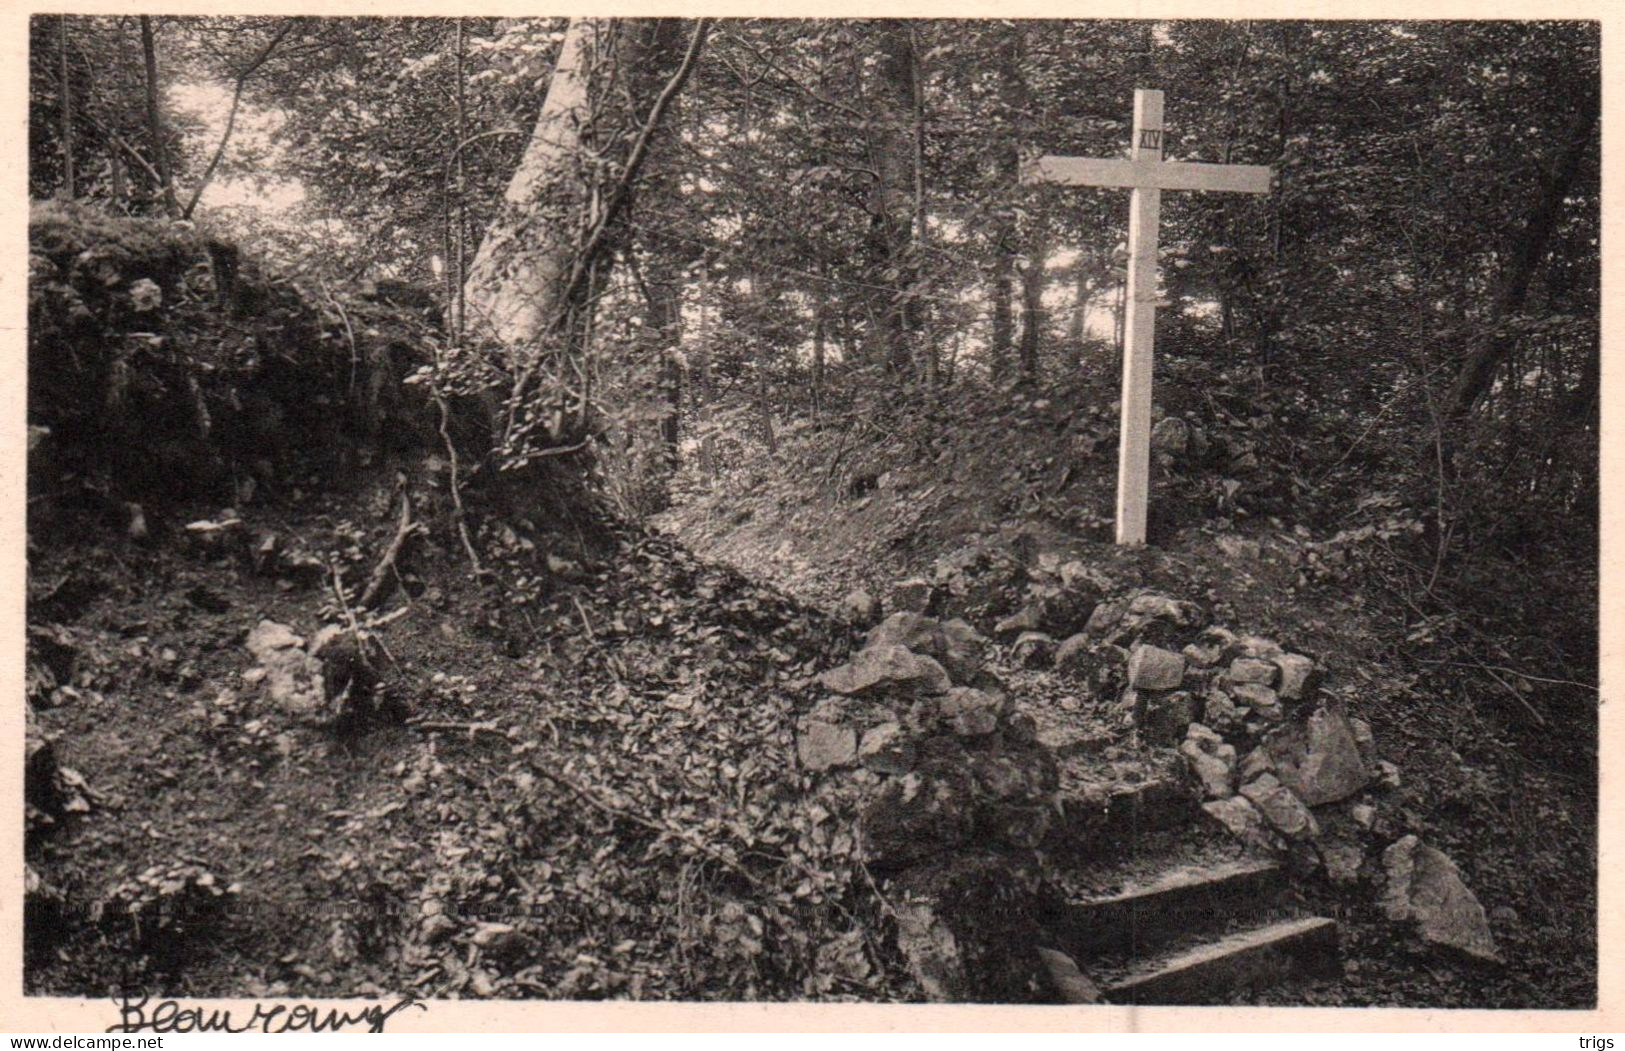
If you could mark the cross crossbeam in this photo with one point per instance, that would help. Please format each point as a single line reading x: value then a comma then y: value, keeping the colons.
x: 1158, y: 175
x: 1147, y: 174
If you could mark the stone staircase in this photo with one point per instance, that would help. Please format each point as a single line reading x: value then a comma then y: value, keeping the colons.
x: 1184, y: 917
x: 1150, y: 792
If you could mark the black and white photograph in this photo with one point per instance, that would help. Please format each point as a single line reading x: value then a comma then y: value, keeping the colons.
x: 896, y: 510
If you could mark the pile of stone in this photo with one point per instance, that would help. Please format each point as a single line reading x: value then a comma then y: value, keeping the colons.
x: 1278, y: 764
x: 1061, y: 599
x: 951, y: 760
x: 1284, y: 769
x: 957, y: 790
x: 1269, y: 756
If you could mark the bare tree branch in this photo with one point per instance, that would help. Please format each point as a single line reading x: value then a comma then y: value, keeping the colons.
x: 231, y: 115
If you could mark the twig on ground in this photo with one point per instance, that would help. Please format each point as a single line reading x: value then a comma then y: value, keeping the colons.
x: 455, y: 475
x: 1515, y: 671
x: 344, y: 605
x: 585, y: 622
x: 378, y: 584
x: 448, y: 726
x: 374, y: 623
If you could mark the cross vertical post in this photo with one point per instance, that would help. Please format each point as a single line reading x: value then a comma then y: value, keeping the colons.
x: 1139, y: 327
x: 1147, y: 174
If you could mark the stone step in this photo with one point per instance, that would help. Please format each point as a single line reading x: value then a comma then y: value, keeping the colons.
x: 1148, y: 914
x: 1249, y: 960
x: 1117, y: 815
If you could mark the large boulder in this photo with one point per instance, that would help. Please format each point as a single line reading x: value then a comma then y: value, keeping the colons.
x: 1242, y: 820
x: 1152, y: 606
x: 1211, y: 760
x: 821, y: 745
x: 1298, y: 676
x: 1170, y: 438
x: 978, y: 581
x: 954, y: 644
x: 929, y: 946
x: 914, y: 595
x: 1065, y: 610
x: 1364, y: 740
x: 1033, y: 649
x: 290, y: 677
x: 1016, y: 795
x: 1257, y: 647
x: 1281, y: 808
x: 1163, y: 718
x: 886, y: 749
x: 1103, y: 622
x: 968, y: 712
x: 1070, y: 983
x: 1210, y: 647
x: 962, y: 649
x: 1021, y: 622
x: 911, y: 630
x: 1158, y: 619
x: 1342, y: 859
x: 1154, y: 668
x: 1253, y: 670
x: 1220, y: 712
x: 1259, y: 700
x: 1319, y: 760
x: 860, y: 608
x: 876, y: 669
x: 1084, y: 659
x: 1426, y: 888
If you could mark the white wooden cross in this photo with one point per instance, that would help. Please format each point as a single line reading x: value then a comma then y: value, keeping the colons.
x: 1148, y: 175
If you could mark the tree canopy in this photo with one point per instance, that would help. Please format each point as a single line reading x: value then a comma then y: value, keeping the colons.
x: 830, y: 211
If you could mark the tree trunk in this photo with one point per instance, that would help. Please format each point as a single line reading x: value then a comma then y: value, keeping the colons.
x: 651, y: 39
x: 670, y: 423
x: 457, y: 264
x: 891, y: 206
x: 917, y: 305
x: 1003, y: 313
x: 1528, y: 251
x: 1032, y: 306
x: 116, y: 171
x: 514, y: 285
x: 1013, y: 99
x: 703, y: 351
x: 543, y: 257
x: 155, y: 121
x: 818, y: 360
x: 241, y: 81
x: 1077, y: 326
x: 763, y: 295
x: 665, y: 288
x: 70, y: 185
